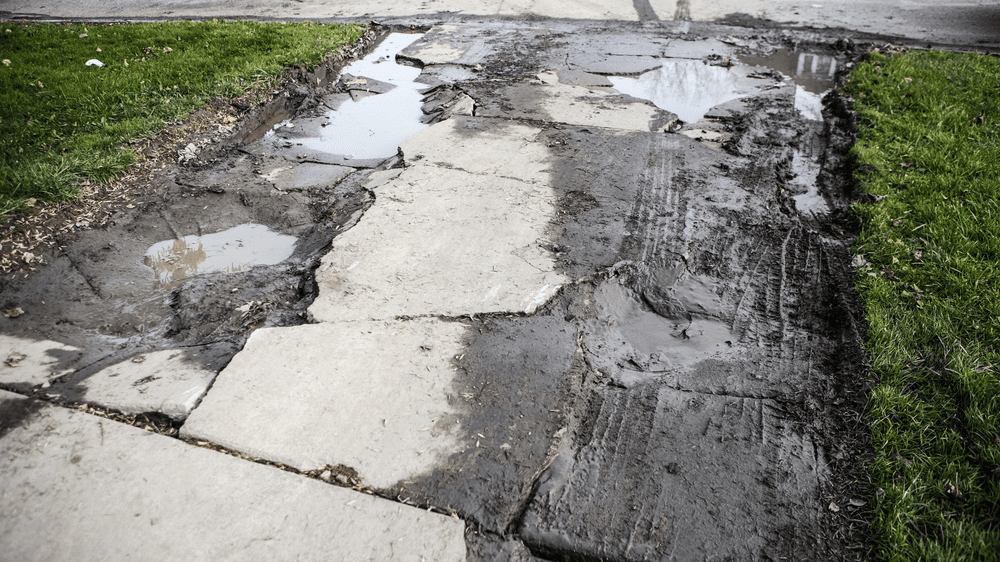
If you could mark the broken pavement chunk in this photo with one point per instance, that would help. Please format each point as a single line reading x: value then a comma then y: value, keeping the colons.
x: 446, y: 242
x: 169, y: 382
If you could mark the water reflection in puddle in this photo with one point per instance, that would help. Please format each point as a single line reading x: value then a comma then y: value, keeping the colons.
x: 815, y: 73
x: 228, y: 251
x: 810, y: 105
x: 806, y: 176
x: 687, y: 88
x: 372, y: 126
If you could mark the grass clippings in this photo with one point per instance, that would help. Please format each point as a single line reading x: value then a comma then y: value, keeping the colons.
x: 928, y: 272
x: 64, y: 123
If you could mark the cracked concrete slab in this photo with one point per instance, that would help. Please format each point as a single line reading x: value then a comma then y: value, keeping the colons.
x: 660, y: 474
x: 170, y: 381
x: 441, y: 241
x: 455, y: 415
x: 28, y: 363
x: 372, y: 396
x: 618, y: 65
x: 581, y: 78
x: 549, y: 100
x: 482, y: 147
x: 84, y: 488
x: 448, y: 44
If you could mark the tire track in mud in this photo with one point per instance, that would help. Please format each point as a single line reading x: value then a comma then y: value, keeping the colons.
x: 720, y: 341
x: 634, y: 472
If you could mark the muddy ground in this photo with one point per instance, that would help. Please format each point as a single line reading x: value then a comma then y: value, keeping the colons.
x: 694, y: 390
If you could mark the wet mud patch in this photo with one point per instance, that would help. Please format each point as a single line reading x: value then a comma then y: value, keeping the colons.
x: 16, y: 412
x: 513, y: 391
x: 483, y: 546
x: 723, y: 287
x: 154, y: 278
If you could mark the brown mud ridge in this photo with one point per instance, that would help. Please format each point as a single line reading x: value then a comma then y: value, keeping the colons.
x: 694, y: 391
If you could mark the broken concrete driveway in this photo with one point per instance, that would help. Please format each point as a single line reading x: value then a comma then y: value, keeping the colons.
x: 539, y: 290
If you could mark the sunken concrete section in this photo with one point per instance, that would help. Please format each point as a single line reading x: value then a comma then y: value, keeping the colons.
x: 453, y: 235
x: 78, y: 487
x: 169, y: 382
x: 663, y: 474
x: 372, y: 396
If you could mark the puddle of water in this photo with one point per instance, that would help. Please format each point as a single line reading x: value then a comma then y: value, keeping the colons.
x: 815, y: 73
x: 371, y: 126
x: 687, y: 88
x: 228, y: 251
x: 806, y: 173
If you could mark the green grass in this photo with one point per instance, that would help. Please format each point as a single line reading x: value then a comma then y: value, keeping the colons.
x: 930, y: 145
x: 61, y: 120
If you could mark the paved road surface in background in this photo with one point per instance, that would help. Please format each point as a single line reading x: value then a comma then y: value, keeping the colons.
x: 969, y: 22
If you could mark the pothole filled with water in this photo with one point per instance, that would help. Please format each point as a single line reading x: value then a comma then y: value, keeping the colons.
x: 380, y: 109
x: 813, y: 74
x: 229, y: 251
x: 688, y: 88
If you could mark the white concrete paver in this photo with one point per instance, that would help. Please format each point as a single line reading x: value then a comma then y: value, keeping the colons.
x: 442, y: 242
x: 373, y: 396
x: 78, y: 487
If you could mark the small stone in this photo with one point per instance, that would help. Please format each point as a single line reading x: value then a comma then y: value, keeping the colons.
x: 13, y: 312
x: 834, y: 507
x: 342, y: 479
x: 325, y: 475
